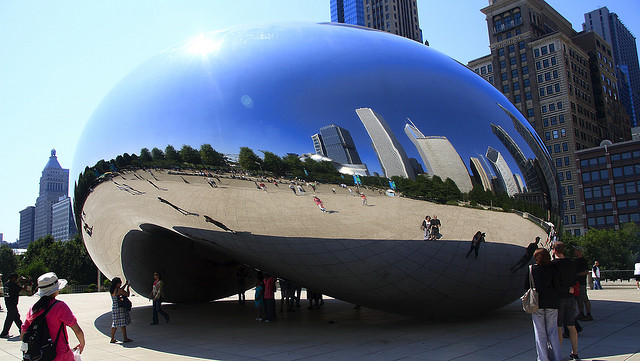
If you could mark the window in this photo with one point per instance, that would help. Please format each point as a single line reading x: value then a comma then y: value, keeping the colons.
x: 527, y: 95
x: 556, y: 148
x: 547, y: 76
x: 538, y: 65
x: 549, y: 89
x: 525, y: 82
x: 565, y: 147
x: 544, y: 50
x: 516, y: 86
x: 545, y: 63
x: 552, y: 48
x: 541, y: 91
x: 504, y: 76
x: 563, y: 132
x: 552, y: 107
x: 521, y: 45
x: 567, y: 162
x: 588, y: 194
x: 490, y: 68
x: 606, y: 191
x: 545, y: 122
x: 512, y: 60
x: 557, y: 87
x: 512, y: 48
x: 540, y: 80
x: 501, y: 52
x: 483, y: 70
x: 555, y: 134
x: 536, y: 53
x: 523, y: 57
x: 547, y: 136
x: 586, y: 177
x: 505, y: 88
x: 555, y: 74
x: 530, y: 111
x: 554, y: 120
x: 525, y: 70
x: 561, y: 177
x: 573, y: 219
x: 553, y: 60
x: 517, y: 97
x: 514, y: 73
x: 544, y: 109
x: 619, y: 188
x: 568, y: 175
x: 559, y: 105
x: 572, y: 204
x: 558, y: 162
x: 503, y: 64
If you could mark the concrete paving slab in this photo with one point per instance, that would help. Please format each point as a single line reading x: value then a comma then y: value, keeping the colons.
x: 224, y: 330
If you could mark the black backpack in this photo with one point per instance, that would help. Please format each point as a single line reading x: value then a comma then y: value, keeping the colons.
x: 40, y: 346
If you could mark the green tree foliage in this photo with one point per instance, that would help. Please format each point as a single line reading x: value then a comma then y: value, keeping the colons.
x: 190, y: 155
x: 294, y: 165
x: 614, y: 249
x: 68, y: 260
x: 172, y: 156
x: 274, y: 164
x: 431, y: 189
x: 157, y: 155
x: 210, y: 157
x: 248, y: 159
x: 145, y: 156
x: 8, y: 261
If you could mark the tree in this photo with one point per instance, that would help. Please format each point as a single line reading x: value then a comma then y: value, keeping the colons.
x: 190, y: 155
x: 8, y: 261
x: 145, y: 156
x: 274, y: 164
x: 614, y: 249
x: 211, y: 157
x: 172, y: 156
x: 293, y: 164
x: 248, y: 159
x: 157, y: 155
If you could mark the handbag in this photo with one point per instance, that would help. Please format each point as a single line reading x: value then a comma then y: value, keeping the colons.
x: 530, y: 298
x: 124, y: 302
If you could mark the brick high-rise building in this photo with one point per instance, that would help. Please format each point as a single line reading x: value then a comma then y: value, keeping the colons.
x: 398, y: 17
x: 543, y: 66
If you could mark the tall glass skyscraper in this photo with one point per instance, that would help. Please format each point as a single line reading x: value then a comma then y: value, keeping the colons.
x: 347, y: 12
x: 338, y: 145
x: 625, y: 54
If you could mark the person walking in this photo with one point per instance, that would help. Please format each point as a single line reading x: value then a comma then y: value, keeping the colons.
x: 545, y: 319
x: 59, y: 317
x: 119, y: 315
x: 11, y: 303
x: 319, y: 203
x: 2, y: 290
x: 157, y: 294
x: 582, y: 267
x: 636, y: 272
x: 595, y: 274
x: 478, y: 238
x: 531, y: 248
x: 566, y: 273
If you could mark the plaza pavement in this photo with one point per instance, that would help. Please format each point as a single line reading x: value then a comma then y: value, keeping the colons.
x: 224, y: 330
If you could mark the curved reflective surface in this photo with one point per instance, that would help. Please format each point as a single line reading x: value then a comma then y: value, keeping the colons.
x: 369, y: 103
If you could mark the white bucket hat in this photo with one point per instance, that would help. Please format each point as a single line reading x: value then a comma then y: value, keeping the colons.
x: 49, y: 283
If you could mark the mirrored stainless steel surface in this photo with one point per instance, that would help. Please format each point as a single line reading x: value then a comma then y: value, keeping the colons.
x: 371, y: 102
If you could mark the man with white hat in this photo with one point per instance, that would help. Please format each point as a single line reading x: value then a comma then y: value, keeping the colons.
x: 59, y: 315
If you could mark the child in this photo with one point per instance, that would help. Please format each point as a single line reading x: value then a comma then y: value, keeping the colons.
x: 259, y: 303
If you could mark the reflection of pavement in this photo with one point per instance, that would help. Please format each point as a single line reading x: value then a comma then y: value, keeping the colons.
x: 225, y: 331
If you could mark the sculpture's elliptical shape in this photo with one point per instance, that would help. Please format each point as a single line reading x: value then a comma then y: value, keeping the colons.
x: 270, y: 88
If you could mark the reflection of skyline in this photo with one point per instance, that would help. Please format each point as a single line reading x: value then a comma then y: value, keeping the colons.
x: 336, y: 144
x: 479, y: 173
x: 440, y: 157
x: 526, y: 165
x: 391, y: 155
x: 502, y: 171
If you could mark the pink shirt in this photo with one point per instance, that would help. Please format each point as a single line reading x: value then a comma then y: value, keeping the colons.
x: 269, y: 287
x: 60, y: 313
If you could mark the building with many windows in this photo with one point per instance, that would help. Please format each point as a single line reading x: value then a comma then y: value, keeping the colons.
x: 63, y: 225
x: 27, y: 222
x: 398, y: 17
x: 610, y: 184
x: 624, y: 53
x: 54, y: 183
x: 337, y: 144
x: 544, y: 67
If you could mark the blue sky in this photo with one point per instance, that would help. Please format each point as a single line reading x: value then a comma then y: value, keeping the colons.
x: 60, y: 58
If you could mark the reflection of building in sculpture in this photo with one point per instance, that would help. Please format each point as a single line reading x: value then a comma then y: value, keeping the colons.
x: 54, y: 184
x: 337, y: 145
x: 479, y: 174
x: 440, y: 157
x: 527, y: 167
x: 518, y: 179
x: 391, y: 155
x: 502, y: 171
x: 318, y: 145
x: 350, y: 169
x: 63, y: 225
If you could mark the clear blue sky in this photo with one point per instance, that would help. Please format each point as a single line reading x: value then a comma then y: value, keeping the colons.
x: 60, y: 58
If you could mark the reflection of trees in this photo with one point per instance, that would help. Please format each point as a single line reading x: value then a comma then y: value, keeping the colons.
x: 614, y: 249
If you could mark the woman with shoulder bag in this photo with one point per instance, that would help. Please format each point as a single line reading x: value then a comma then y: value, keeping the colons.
x: 119, y: 311
x: 545, y: 319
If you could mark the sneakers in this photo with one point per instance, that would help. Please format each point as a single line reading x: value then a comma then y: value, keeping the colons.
x: 5, y: 336
x: 574, y: 356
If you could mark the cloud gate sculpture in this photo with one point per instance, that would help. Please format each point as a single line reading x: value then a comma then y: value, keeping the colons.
x: 371, y: 104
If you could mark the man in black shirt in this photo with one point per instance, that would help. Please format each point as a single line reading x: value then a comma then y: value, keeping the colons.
x: 11, y: 301
x: 435, y: 227
x: 531, y: 248
x: 566, y: 272
x: 582, y: 267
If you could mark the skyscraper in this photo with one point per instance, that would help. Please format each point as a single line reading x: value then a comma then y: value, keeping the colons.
x: 398, y: 17
x: 54, y: 183
x: 338, y: 145
x: 391, y: 155
x: 440, y: 157
x: 537, y: 64
x: 63, y: 225
x: 624, y: 53
x: 502, y: 171
x: 347, y: 12
x: 318, y: 144
x: 27, y: 219
x: 479, y: 174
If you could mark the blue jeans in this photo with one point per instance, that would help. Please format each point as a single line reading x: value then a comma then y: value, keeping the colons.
x: 596, y: 284
x: 157, y: 308
x: 545, y: 327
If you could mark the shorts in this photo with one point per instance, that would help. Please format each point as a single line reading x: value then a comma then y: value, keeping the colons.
x: 566, y: 312
x: 583, y: 294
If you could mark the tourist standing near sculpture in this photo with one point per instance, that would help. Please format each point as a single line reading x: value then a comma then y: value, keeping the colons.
x: 531, y: 248
x: 119, y: 313
x: 157, y: 294
x: 582, y: 268
x: 435, y: 227
x: 59, y: 316
x: 259, y: 299
x: 595, y: 274
x: 545, y: 319
x: 426, y: 227
x: 636, y: 272
x: 566, y: 273
x: 11, y: 302
x: 269, y: 298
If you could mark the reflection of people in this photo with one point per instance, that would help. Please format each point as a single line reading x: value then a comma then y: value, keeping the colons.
x: 241, y: 275
x: 636, y: 272
x: 59, y: 315
x: 319, y: 203
x: 435, y: 227
x: 364, y: 199
x: 426, y: 227
x: 1, y: 291
x: 582, y: 268
x: 475, y: 243
x: 269, y: 298
x: 531, y: 248
x: 11, y: 302
x: 119, y: 314
x: 595, y: 274
x: 566, y: 273
x: 259, y: 299
x: 157, y: 294
x: 545, y: 319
